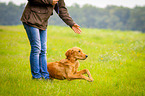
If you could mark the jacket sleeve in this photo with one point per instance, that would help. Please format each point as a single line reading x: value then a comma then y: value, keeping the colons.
x: 63, y: 13
x: 41, y: 1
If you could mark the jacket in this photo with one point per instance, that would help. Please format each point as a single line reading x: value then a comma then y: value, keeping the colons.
x: 37, y: 13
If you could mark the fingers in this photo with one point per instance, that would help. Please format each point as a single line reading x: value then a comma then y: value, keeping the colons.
x: 79, y: 29
x: 76, y: 30
x: 76, y: 25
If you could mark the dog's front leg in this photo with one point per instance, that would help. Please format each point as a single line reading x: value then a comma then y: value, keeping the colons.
x: 77, y: 76
x: 84, y: 71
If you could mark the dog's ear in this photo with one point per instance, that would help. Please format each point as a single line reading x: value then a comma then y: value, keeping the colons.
x: 68, y: 53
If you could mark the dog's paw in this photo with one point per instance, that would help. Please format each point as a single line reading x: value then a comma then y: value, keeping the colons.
x: 91, y: 80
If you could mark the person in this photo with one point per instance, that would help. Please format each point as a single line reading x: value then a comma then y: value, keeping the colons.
x: 35, y: 19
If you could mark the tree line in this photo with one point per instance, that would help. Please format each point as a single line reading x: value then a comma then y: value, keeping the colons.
x: 110, y: 17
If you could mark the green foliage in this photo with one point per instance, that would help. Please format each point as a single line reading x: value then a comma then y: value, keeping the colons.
x: 116, y: 61
x: 111, y: 17
x: 10, y: 14
x: 88, y: 16
x: 137, y: 19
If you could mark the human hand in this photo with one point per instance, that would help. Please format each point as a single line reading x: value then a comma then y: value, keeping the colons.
x: 55, y: 2
x: 76, y: 28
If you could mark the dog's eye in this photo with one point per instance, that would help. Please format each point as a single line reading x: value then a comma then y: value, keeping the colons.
x: 79, y: 51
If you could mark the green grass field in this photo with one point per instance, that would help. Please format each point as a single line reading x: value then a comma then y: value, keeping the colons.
x: 116, y: 61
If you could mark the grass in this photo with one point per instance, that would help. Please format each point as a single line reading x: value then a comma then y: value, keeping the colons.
x: 116, y: 61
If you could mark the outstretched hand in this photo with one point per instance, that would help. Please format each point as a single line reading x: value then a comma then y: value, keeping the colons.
x: 76, y: 28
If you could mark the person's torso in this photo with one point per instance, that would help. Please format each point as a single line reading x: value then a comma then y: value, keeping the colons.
x: 37, y: 15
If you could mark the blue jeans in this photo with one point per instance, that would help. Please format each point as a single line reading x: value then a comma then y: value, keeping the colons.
x: 38, y: 42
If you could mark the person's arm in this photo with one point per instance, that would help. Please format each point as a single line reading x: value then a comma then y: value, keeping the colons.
x: 63, y: 14
x: 41, y: 1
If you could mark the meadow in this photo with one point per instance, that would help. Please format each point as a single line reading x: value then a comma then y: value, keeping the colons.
x: 116, y: 61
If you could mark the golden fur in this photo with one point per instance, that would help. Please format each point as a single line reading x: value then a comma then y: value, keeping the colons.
x: 67, y: 68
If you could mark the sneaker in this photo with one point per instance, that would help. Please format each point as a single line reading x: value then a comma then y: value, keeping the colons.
x: 37, y: 78
x: 48, y: 79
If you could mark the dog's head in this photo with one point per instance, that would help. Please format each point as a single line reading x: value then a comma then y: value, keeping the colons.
x: 76, y: 54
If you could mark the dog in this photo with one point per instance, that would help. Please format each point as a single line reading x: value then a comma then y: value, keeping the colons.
x: 67, y: 68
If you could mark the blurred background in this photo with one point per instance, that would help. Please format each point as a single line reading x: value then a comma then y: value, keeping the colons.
x: 104, y: 14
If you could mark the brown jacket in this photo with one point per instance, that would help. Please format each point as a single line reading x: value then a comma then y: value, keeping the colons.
x: 37, y: 13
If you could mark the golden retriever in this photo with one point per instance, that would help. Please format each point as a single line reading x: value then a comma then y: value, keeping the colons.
x: 67, y: 68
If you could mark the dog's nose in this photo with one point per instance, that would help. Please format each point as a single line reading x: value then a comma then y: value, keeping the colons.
x: 86, y: 56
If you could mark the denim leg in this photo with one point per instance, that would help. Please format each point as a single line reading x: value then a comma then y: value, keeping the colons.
x: 42, y: 57
x: 34, y: 38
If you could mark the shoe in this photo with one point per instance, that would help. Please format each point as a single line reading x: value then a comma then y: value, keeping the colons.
x: 48, y: 79
x: 37, y: 78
